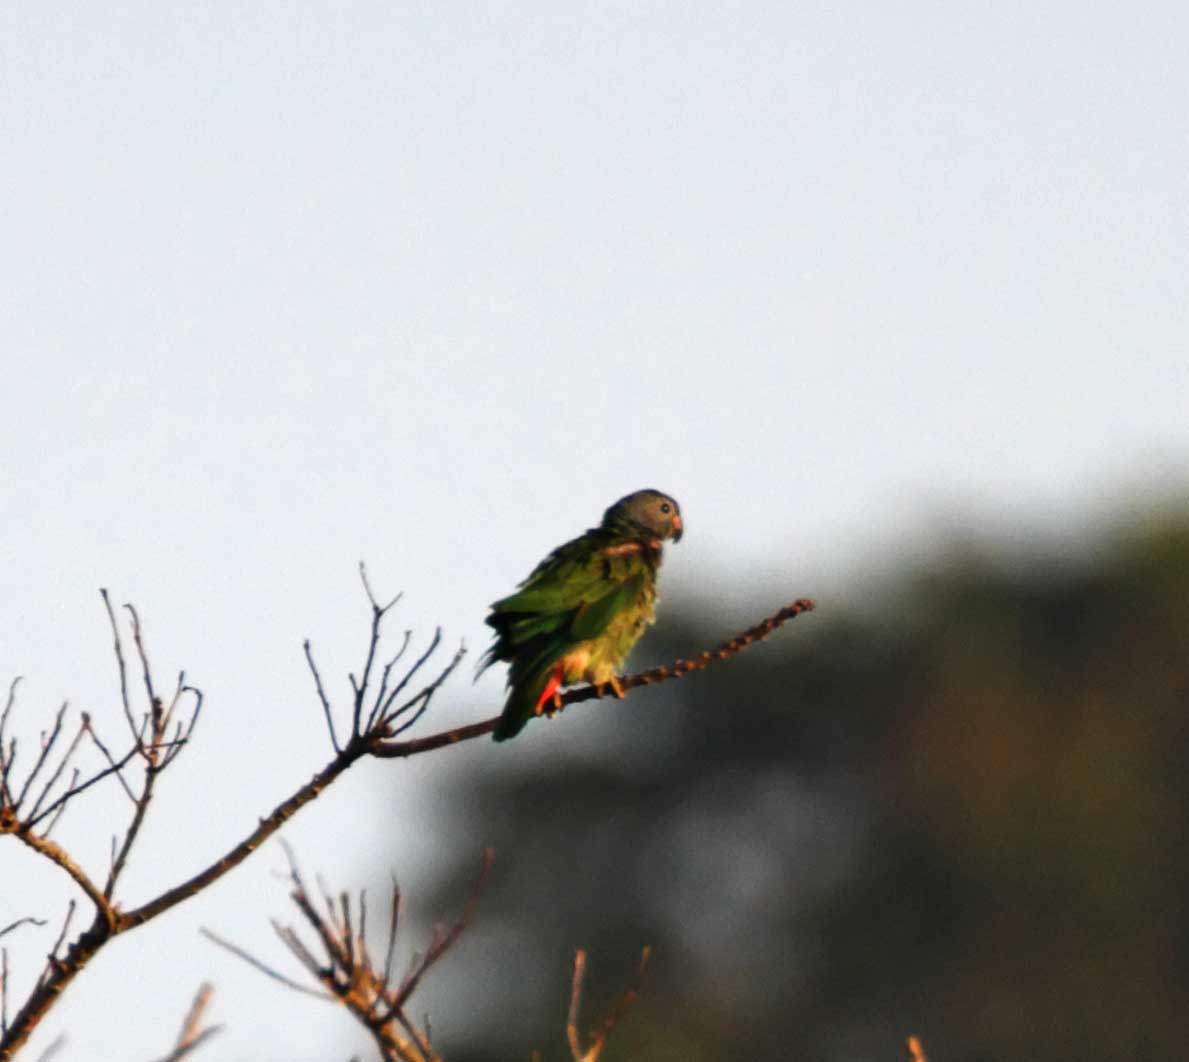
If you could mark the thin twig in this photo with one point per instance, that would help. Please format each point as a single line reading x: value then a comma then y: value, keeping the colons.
x: 441, y: 943
x: 199, y: 699
x: 122, y: 667
x: 57, y: 772
x: 421, y: 700
x: 572, y: 1034
x: 75, y: 789
x: 382, y: 692
x: 53, y: 955
x: 111, y: 760
x: 192, y: 1034
x: 52, y: 1050
x: 28, y: 920
x: 393, y: 922
x: 5, y: 764
x: 173, y: 701
x: 62, y: 806
x: 615, y: 1016
x: 334, y: 741
x: 46, y: 745
x: 146, y: 671
x: 432, y: 648
x: 624, y: 1004
x: 3, y: 991
x: 151, y: 770
x: 262, y: 966
x: 348, y: 974
x: 360, y: 688
x: 367, y: 587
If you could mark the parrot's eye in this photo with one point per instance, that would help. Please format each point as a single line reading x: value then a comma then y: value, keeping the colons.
x: 666, y: 507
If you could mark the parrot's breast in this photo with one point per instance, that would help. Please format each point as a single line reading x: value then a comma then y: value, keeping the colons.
x: 601, y: 659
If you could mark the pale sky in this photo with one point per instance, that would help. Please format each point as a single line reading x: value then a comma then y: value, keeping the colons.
x: 290, y: 285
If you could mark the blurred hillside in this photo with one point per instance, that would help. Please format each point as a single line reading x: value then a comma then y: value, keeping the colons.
x: 962, y: 814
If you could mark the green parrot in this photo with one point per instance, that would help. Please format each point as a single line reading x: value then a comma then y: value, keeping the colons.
x: 583, y: 608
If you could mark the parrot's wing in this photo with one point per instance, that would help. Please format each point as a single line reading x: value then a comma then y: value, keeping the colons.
x: 571, y: 597
x: 573, y: 594
x: 592, y: 617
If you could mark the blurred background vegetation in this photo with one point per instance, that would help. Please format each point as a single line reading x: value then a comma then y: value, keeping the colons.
x: 958, y: 811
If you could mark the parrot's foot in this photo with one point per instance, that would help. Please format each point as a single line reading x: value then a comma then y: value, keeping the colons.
x: 616, y: 688
x: 550, y: 702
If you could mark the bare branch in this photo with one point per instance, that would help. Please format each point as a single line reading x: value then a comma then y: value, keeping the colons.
x: 572, y: 1035
x: 147, y: 673
x: 199, y: 701
x: 614, y: 1017
x: 367, y: 587
x: 12, y: 695
x: 623, y: 1005
x: 47, y: 745
x: 7, y: 759
x: 192, y: 1034
x: 178, y: 689
x: 138, y: 816
x: 442, y: 942
x: 53, y: 955
x: 400, y: 749
x: 111, y: 760
x: 262, y: 966
x: 62, y: 805
x: 52, y: 1050
x: 385, y: 710
x: 393, y: 922
x: 3, y: 991
x: 55, y: 853
x: 57, y: 773
x: 334, y: 741
x: 349, y: 975
x: 28, y: 920
x: 75, y: 787
x: 360, y: 688
x: 381, y: 693
x: 118, y: 646
x: 420, y: 702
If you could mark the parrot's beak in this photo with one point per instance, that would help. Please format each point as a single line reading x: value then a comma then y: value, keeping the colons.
x: 677, y: 527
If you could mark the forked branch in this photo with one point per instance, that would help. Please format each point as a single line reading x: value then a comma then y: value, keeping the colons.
x: 347, y: 971
x: 598, y: 1039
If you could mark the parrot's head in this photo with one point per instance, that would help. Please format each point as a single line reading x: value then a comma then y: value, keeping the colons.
x: 649, y: 511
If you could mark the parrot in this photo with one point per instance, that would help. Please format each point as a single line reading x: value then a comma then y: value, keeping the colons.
x: 582, y: 609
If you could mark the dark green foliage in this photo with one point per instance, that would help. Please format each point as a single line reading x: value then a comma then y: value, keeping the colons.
x: 963, y: 815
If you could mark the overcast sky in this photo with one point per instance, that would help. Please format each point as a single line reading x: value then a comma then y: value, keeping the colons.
x: 283, y: 286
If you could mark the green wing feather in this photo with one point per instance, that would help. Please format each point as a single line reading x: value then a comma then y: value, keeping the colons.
x: 569, y: 598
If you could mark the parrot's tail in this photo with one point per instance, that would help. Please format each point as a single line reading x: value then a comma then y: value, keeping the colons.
x: 524, y: 702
